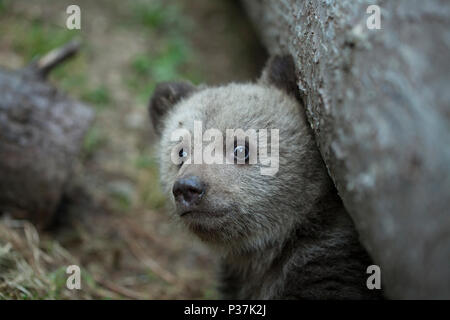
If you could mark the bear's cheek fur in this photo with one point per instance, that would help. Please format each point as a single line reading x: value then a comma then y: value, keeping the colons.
x: 235, y: 204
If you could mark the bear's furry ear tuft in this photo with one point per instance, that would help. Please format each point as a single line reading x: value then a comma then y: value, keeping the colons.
x: 165, y: 96
x: 280, y: 72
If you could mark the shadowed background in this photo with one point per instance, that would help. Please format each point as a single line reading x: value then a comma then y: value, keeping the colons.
x: 111, y: 221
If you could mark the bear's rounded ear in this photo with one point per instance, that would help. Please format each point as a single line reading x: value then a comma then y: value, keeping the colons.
x: 280, y: 72
x: 165, y: 96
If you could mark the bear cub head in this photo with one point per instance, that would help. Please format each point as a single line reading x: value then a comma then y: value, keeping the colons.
x: 244, y: 191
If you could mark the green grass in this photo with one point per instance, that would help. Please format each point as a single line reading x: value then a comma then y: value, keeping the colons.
x: 144, y: 161
x: 162, y: 67
x: 121, y: 201
x: 57, y: 280
x: 93, y: 140
x: 99, y: 96
x: 171, y: 59
x: 3, y: 6
x: 23, y: 279
x: 165, y: 65
x: 35, y: 38
x: 71, y: 77
x: 159, y: 15
x: 170, y: 63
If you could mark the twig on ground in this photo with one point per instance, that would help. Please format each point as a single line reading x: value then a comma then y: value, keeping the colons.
x: 55, y: 57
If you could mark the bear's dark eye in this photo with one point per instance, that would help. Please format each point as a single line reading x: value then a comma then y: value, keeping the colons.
x: 182, y: 153
x: 241, y: 154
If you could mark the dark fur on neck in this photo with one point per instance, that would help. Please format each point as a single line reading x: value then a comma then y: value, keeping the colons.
x: 321, y: 259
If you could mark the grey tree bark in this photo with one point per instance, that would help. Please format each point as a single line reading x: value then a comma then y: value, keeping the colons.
x: 41, y: 132
x: 379, y: 104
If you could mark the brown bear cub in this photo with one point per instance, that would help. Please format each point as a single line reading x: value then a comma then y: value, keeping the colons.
x: 282, y: 233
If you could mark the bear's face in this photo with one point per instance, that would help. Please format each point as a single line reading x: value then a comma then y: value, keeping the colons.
x: 236, y: 200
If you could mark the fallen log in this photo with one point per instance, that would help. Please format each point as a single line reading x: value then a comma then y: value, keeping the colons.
x: 41, y: 131
x: 379, y: 104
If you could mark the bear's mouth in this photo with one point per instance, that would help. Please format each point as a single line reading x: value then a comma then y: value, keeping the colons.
x: 202, y: 213
x: 185, y: 213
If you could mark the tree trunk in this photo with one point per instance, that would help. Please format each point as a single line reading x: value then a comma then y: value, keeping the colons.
x: 41, y: 132
x: 379, y: 104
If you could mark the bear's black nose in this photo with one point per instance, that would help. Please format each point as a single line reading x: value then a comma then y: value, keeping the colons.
x: 188, y: 192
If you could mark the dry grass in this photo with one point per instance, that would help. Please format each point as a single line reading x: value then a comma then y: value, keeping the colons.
x: 119, y: 266
x: 30, y: 271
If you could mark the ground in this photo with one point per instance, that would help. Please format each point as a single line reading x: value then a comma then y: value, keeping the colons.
x: 112, y: 222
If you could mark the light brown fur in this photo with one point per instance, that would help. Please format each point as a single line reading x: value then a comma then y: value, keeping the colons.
x: 275, y: 233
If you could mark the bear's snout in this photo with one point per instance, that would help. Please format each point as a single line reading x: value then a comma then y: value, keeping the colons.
x: 188, y: 193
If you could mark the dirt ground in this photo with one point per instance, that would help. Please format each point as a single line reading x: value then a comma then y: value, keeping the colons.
x: 112, y: 220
